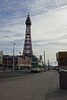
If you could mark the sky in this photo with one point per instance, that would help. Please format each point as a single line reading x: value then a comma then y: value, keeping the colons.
x: 48, y: 29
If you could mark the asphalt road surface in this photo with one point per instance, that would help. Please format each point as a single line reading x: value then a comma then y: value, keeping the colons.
x: 40, y: 86
x: 10, y: 73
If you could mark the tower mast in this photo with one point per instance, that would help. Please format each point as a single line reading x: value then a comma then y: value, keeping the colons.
x: 27, y: 51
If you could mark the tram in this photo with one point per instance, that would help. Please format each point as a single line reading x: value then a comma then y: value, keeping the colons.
x: 37, y: 65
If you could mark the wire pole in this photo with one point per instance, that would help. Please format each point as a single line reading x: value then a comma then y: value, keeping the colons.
x: 7, y: 61
x: 13, y: 54
x: 44, y: 57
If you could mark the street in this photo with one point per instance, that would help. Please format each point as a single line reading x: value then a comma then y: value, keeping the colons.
x: 16, y: 73
x: 40, y: 86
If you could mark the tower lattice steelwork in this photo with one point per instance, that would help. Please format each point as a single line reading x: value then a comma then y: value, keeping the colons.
x: 27, y: 51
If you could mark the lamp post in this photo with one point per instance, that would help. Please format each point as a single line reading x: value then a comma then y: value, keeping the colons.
x: 44, y: 58
x: 13, y: 54
x: 7, y: 61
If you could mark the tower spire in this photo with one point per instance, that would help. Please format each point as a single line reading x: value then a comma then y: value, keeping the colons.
x: 28, y: 13
x: 28, y: 21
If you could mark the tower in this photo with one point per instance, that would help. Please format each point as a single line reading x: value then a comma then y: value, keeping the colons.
x: 27, y: 51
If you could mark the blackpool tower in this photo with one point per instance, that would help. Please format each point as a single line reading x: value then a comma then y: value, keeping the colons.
x: 27, y: 51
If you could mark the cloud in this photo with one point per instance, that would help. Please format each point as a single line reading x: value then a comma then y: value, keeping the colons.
x: 39, y: 7
x: 14, y: 29
x: 50, y: 25
x: 48, y: 29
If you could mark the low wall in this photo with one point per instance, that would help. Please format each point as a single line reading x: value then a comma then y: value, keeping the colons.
x: 63, y: 79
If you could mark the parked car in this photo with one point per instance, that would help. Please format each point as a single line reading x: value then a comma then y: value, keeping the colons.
x: 56, y: 68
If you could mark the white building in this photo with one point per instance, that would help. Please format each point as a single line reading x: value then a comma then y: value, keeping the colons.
x: 1, y: 58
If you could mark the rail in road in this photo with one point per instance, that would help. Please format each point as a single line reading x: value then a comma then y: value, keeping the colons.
x: 17, y: 73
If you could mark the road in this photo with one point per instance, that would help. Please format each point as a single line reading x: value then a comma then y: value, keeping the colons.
x: 40, y: 86
x: 10, y: 73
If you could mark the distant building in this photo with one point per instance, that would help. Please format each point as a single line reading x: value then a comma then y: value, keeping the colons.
x: 1, y: 58
x: 24, y: 62
x: 8, y: 61
x: 19, y: 62
x: 62, y: 59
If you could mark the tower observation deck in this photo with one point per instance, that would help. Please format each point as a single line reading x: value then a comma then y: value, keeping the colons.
x: 27, y: 51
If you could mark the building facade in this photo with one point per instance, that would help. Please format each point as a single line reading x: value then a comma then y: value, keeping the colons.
x: 8, y: 61
x: 19, y: 62
x: 62, y: 59
x: 24, y: 62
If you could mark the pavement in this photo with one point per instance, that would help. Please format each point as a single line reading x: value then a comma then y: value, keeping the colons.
x: 54, y: 91
x: 41, y: 86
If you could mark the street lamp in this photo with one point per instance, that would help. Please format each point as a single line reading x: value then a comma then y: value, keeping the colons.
x: 13, y: 54
x: 44, y: 58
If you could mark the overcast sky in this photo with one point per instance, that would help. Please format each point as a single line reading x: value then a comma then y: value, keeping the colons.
x: 48, y: 29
